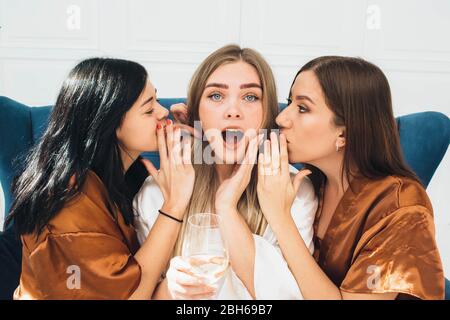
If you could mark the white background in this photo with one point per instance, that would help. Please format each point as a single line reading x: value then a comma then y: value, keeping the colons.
x: 41, y: 40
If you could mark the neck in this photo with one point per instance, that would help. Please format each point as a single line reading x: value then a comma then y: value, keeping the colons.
x: 224, y: 171
x: 332, y: 168
x: 128, y: 157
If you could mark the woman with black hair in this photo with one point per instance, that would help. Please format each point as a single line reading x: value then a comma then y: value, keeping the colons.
x: 73, y: 202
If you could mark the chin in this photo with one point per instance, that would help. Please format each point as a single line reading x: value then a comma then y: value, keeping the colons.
x: 227, y: 156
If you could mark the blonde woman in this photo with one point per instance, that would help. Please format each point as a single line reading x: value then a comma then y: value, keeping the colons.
x: 232, y: 90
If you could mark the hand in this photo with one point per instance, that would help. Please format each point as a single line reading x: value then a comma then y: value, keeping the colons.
x: 176, y: 176
x: 180, y: 114
x: 276, y: 190
x: 231, y: 189
x: 183, y: 284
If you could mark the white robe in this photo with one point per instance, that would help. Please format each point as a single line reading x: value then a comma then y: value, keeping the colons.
x: 272, y: 277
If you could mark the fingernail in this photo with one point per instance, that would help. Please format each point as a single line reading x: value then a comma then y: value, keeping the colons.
x: 158, y: 126
x: 169, y: 122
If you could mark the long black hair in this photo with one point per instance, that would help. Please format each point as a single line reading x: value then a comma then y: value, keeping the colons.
x: 80, y: 136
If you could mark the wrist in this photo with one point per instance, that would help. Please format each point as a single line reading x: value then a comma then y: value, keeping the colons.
x: 223, y: 210
x: 173, y: 210
x: 280, y: 222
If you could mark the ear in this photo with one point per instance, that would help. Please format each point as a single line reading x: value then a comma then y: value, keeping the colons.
x: 119, y: 133
x: 341, y: 137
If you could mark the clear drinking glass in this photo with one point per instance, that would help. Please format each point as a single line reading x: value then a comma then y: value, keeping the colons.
x: 203, y: 247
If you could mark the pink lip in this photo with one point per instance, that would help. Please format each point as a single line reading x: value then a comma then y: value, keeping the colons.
x: 233, y: 127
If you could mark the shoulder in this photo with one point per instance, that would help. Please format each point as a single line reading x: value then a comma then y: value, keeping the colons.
x: 149, y: 195
x: 396, y: 192
x: 393, y: 200
x: 88, y: 211
x: 146, y: 204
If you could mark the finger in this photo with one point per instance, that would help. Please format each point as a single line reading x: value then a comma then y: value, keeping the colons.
x: 261, y: 172
x: 169, y: 140
x: 181, y: 264
x: 247, y: 165
x: 188, y: 129
x: 191, y: 291
x: 184, y: 278
x: 150, y: 168
x: 187, y: 150
x: 181, y: 296
x: 180, y: 112
x: 275, y: 153
x: 253, y: 151
x: 284, y: 159
x: 299, y: 177
x: 267, y: 158
x: 176, y: 151
x: 162, y: 145
x: 245, y: 170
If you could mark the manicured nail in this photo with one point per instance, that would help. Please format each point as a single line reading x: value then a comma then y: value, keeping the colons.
x: 169, y: 122
x: 158, y: 126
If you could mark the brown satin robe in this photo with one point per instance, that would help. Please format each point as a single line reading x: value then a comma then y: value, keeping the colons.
x: 381, y: 238
x: 83, y: 234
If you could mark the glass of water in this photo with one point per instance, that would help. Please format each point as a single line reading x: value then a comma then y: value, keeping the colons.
x: 203, y: 247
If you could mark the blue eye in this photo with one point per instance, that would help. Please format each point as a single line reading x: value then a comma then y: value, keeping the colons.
x: 215, y: 97
x: 251, y: 98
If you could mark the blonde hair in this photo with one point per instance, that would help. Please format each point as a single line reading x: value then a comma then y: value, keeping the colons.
x: 206, y: 179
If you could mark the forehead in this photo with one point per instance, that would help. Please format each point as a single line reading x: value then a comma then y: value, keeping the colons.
x: 234, y: 74
x: 149, y: 89
x: 307, y: 84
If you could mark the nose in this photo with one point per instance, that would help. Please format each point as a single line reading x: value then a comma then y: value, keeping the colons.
x: 283, y: 120
x: 161, y: 112
x: 233, y: 112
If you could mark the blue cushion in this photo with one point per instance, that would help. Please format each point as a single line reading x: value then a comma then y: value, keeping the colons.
x: 447, y: 289
x: 424, y: 138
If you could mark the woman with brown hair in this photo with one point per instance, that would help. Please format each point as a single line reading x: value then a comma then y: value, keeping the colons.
x: 374, y: 229
x: 233, y: 94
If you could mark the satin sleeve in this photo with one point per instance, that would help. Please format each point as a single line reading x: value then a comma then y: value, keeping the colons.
x: 84, y: 265
x: 398, y: 254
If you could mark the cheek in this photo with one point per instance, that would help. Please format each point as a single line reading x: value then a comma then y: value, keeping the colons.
x: 254, y: 116
x: 139, y: 135
x: 313, y: 139
x: 209, y: 118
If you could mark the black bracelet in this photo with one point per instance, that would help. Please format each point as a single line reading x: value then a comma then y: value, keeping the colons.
x: 169, y: 216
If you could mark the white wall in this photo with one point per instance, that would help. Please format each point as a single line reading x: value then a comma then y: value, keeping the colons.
x: 41, y: 40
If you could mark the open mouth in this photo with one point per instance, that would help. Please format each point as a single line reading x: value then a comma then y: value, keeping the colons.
x: 232, y: 137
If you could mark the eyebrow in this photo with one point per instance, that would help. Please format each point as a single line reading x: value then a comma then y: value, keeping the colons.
x: 224, y: 86
x: 250, y: 85
x: 217, y: 85
x: 147, y: 101
x: 300, y: 97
